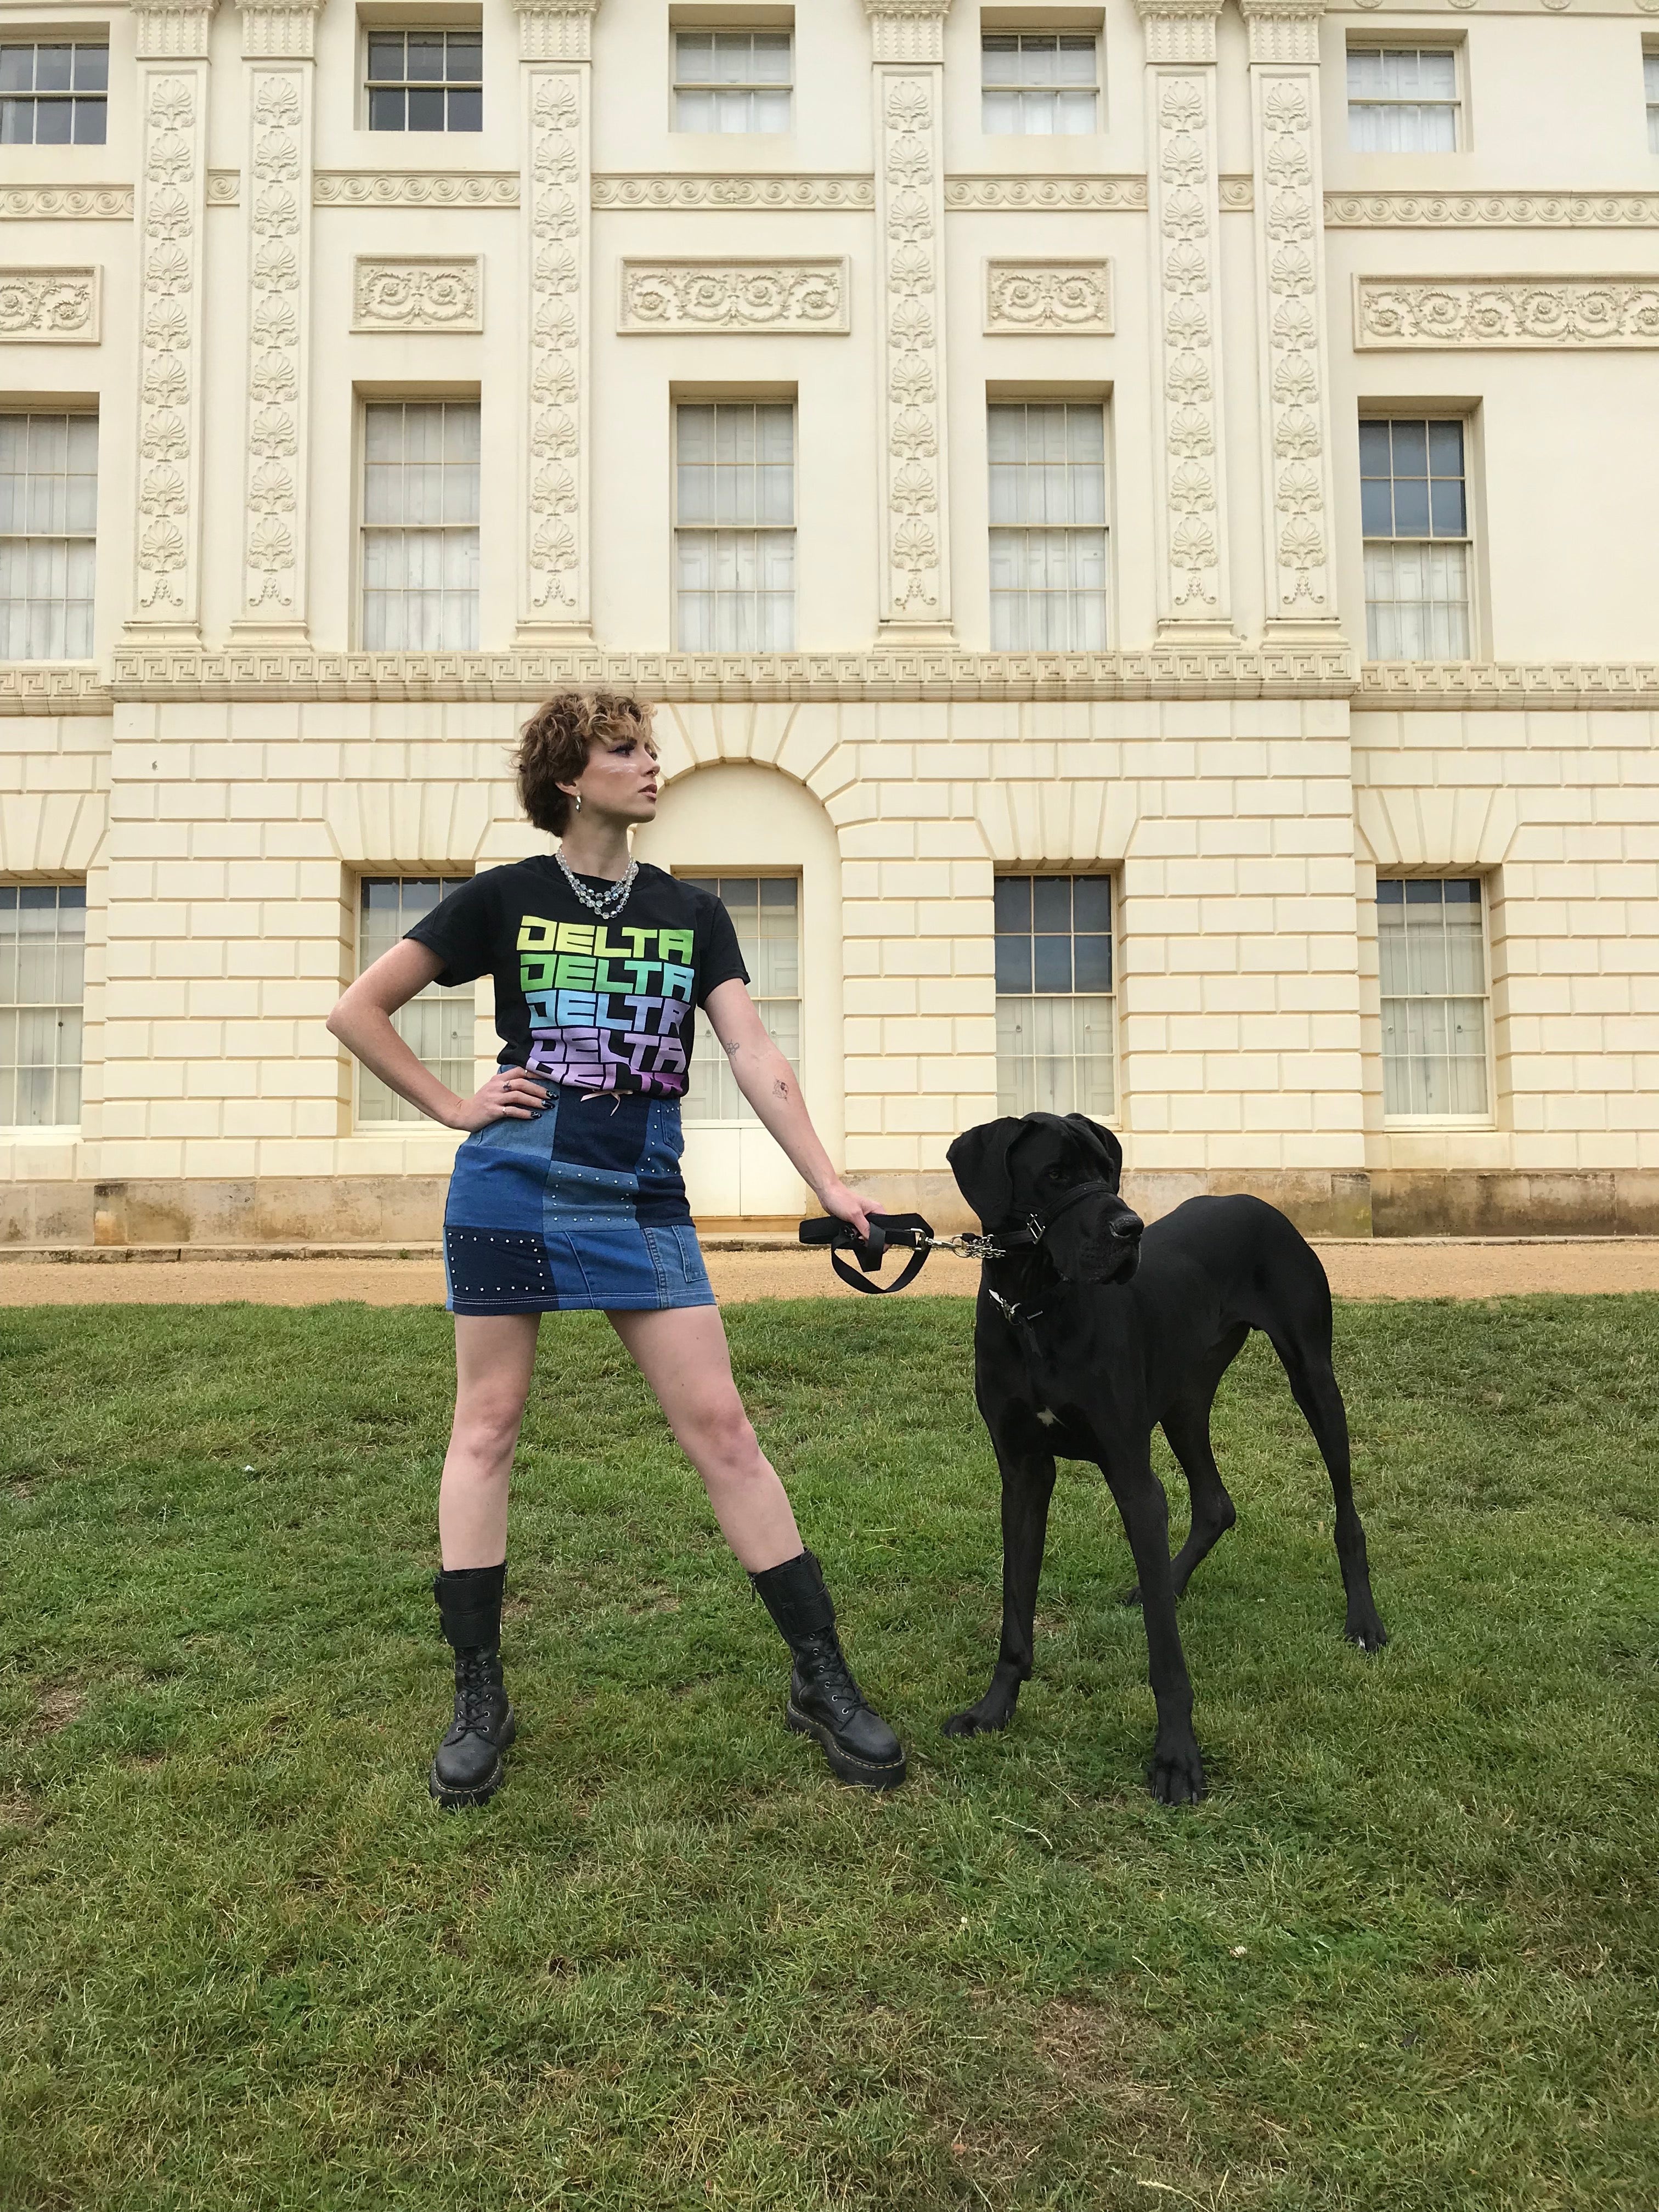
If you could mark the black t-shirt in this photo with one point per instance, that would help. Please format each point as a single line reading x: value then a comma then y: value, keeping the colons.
x: 600, y: 1005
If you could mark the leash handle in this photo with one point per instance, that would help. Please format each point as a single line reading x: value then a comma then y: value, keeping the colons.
x: 885, y: 1228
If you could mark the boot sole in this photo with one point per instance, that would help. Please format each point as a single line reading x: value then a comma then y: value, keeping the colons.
x: 479, y: 1793
x: 864, y: 1773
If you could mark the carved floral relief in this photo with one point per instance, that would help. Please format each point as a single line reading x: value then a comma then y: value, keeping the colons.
x: 407, y: 292
x: 277, y: 312
x: 168, y: 398
x: 1296, y: 471
x: 1185, y: 269
x: 733, y: 296
x: 1394, y: 313
x: 1048, y: 296
x: 556, y: 279
x: 914, y: 587
x: 51, y: 307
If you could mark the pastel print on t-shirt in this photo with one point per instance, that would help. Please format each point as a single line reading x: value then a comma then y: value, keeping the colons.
x: 606, y: 1003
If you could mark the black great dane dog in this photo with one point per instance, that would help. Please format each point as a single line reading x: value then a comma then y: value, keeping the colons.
x: 1092, y: 1329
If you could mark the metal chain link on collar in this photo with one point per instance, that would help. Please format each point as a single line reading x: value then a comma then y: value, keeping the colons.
x: 607, y: 905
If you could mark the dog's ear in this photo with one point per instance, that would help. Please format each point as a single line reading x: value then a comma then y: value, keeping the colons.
x: 979, y: 1160
x: 1101, y: 1141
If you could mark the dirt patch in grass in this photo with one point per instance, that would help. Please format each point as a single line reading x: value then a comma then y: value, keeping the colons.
x: 55, y: 1708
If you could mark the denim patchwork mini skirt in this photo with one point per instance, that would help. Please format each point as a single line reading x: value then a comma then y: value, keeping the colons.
x: 580, y: 1209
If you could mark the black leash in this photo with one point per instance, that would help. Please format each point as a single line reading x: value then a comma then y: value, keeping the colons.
x: 911, y: 1231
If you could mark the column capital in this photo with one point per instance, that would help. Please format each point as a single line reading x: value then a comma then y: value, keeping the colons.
x: 173, y: 30
x: 279, y: 30
x: 907, y: 30
x: 1179, y: 30
x: 555, y: 30
x: 1283, y: 30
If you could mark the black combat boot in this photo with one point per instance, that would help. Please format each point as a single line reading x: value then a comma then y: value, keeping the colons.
x: 468, y: 1768
x: 824, y: 1701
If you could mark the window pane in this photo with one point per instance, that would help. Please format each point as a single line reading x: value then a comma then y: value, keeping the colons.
x: 1054, y: 1012
x: 1433, y: 974
x: 436, y: 1024
x: 48, y: 516
x: 42, y: 938
x: 765, y: 913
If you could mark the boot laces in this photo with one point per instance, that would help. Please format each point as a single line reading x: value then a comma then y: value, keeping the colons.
x: 475, y: 1691
x: 827, y: 1670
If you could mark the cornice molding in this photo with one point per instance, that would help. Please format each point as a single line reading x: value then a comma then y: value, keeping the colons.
x: 1088, y: 195
x: 66, y: 203
x: 659, y: 189
x: 1557, y: 686
x: 1492, y: 211
x: 907, y: 31
x: 250, y: 676
x: 279, y: 30
x: 1283, y: 30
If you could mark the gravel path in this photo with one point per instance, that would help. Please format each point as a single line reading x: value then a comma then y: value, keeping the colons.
x: 1460, y: 1269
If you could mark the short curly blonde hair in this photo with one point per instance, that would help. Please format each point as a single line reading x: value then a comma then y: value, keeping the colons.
x: 555, y: 744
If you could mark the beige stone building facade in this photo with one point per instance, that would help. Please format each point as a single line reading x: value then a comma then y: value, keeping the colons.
x: 1142, y: 521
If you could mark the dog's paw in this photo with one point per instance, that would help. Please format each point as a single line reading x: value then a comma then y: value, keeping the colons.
x: 978, y: 1720
x: 1367, y: 1631
x: 1175, y: 1776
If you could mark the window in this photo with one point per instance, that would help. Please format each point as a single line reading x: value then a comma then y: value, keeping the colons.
x: 53, y: 94
x: 1053, y: 960
x: 425, y: 80
x: 765, y: 912
x: 48, y: 520
x: 1402, y: 99
x: 1432, y: 954
x: 734, y: 535
x: 1650, y: 85
x: 421, y: 527
x: 1038, y: 84
x: 1047, y: 529
x: 733, y: 81
x: 436, y: 1024
x: 1414, y: 514
x: 42, y: 936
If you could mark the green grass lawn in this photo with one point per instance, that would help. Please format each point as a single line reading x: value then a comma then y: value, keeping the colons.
x: 1401, y: 1958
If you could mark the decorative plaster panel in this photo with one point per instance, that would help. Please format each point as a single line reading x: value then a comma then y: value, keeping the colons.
x: 1397, y: 314
x: 683, y: 296
x: 279, y: 32
x: 555, y: 30
x: 169, y: 30
x: 914, y: 585
x: 414, y: 188
x: 1237, y: 195
x: 1089, y: 194
x: 1179, y: 30
x: 1283, y: 30
x: 907, y: 30
x: 407, y: 292
x: 646, y: 190
x: 1052, y: 296
x: 1190, y: 515
x: 224, y: 187
x: 1491, y: 211
x: 279, y: 305
x: 172, y: 104
x: 1289, y: 265
x: 66, y: 203
x: 49, y: 306
x: 555, y: 193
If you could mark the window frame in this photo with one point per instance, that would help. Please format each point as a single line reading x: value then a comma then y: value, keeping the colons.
x: 67, y: 412
x: 1484, y: 879
x: 74, y: 37
x: 1073, y: 872
x: 735, y: 28
x: 1650, y: 90
x: 360, y: 879
x: 1001, y: 396
x: 1093, y: 33
x: 685, y: 396
x: 1412, y: 42
x: 17, y: 1132
x: 686, y: 872
x: 453, y: 22
x: 1471, y: 541
x: 395, y: 395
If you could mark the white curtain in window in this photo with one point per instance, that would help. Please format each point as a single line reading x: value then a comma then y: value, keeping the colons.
x: 1417, y: 602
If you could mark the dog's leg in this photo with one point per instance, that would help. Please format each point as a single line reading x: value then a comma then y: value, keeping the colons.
x: 1186, y: 1426
x: 1313, y: 1382
x: 1175, y: 1776
x: 1028, y: 1484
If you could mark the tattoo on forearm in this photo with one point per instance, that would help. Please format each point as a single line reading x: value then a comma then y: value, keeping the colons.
x: 780, y: 1088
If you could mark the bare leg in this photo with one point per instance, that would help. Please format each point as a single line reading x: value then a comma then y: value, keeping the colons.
x: 494, y: 1356
x: 682, y: 1353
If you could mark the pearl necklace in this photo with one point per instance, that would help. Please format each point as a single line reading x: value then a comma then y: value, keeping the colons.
x: 607, y: 905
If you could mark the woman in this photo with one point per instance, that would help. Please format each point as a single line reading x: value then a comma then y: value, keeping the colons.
x: 567, y: 1194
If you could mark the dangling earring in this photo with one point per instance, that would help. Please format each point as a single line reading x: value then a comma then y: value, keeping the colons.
x: 575, y: 802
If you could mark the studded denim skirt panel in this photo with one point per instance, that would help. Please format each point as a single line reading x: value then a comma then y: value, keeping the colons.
x: 580, y: 1208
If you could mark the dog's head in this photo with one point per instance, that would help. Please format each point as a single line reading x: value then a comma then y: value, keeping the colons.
x: 1010, y: 1169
